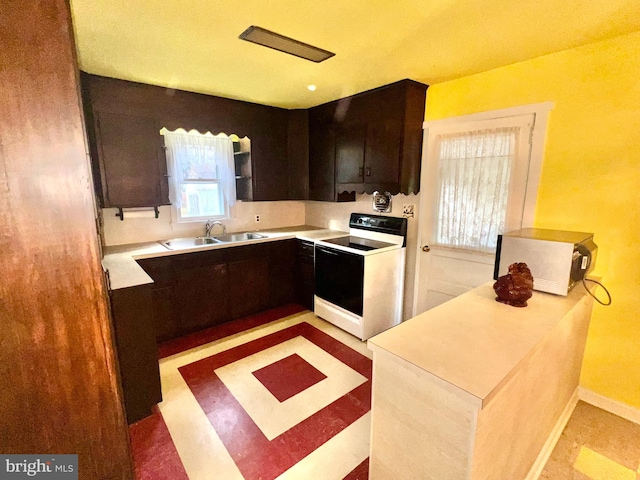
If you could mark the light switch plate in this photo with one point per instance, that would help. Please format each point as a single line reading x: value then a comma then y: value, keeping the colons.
x: 408, y: 210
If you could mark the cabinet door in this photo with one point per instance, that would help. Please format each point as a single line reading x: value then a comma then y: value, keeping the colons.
x: 350, y: 153
x: 282, y: 259
x: 132, y: 161
x: 137, y: 350
x: 298, y: 154
x: 321, y: 164
x: 382, y: 153
x: 269, y: 162
x: 165, y: 319
x: 305, y: 282
x: 203, y: 296
x: 249, y: 286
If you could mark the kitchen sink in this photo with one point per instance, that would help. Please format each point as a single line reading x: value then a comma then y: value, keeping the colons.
x: 191, y: 242
x: 178, y: 243
x: 239, y: 237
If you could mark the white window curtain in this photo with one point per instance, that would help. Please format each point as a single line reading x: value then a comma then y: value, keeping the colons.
x: 193, y: 156
x: 475, y: 170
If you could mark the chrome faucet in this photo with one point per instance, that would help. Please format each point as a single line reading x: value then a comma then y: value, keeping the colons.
x: 209, y: 226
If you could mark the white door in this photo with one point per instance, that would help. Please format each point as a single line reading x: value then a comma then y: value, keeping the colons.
x: 479, y: 178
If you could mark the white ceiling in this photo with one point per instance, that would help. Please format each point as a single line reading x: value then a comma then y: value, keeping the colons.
x: 193, y: 45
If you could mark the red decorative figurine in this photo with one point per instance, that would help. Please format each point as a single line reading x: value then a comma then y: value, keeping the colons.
x: 516, y: 287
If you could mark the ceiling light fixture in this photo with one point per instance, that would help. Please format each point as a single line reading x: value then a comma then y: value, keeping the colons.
x: 311, y: 87
x: 269, y: 39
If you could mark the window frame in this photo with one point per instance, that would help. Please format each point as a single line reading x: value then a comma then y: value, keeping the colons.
x: 176, y: 215
x: 517, y: 187
x: 540, y: 111
x: 176, y: 211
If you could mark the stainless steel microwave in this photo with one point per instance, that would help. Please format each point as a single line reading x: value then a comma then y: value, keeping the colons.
x: 557, y: 259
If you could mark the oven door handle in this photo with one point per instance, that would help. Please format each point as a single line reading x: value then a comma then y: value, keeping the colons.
x: 327, y: 250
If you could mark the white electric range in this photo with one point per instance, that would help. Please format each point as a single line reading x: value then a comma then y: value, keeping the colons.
x: 360, y: 277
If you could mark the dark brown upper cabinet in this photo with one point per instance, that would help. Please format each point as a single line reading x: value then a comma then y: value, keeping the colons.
x: 350, y: 152
x: 322, y: 151
x: 123, y: 123
x: 298, y: 154
x: 367, y: 142
x: 131, y: 161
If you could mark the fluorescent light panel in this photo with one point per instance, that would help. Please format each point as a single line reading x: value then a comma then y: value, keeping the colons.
x: 269, y: 39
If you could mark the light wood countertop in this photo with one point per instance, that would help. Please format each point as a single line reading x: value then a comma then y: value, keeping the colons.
x: 473, y: 342
x: 124, y: 272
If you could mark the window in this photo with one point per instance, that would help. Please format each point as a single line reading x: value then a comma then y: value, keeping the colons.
x: 201, y: 174
x: 473, y: 184
x: 478, y: 171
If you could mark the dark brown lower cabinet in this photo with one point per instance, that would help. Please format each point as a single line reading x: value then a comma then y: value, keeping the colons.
x: 202, y: 296
x: 249, y: 286
x: 133, y: 320
x: 163, y: 294
x: 165, y: 318
x: 282, y: 259
x: 305, y: 274
x: 197, y: 290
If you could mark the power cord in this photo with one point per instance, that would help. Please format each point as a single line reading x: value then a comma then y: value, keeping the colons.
x: 584, y: 280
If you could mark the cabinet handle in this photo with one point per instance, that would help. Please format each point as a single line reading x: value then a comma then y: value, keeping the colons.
x: 361, y: 171
x: 368, y: 171
x: 107, y: 278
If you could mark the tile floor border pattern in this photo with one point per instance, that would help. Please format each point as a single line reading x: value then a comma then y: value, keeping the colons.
x: 183, y: 414
x: 298, y: 376
x: 255, y: 455
x: 272, y: 417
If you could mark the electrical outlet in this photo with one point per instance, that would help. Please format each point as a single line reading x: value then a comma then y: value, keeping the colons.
x: 408, y: 210
x: 257, y: 218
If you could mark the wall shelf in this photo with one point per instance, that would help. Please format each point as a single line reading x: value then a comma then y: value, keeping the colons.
x: 243, y: 170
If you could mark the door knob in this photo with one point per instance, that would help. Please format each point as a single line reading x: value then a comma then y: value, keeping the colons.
x: 426, y: 248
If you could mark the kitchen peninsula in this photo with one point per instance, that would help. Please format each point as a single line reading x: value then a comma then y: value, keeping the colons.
x: 475, y: 388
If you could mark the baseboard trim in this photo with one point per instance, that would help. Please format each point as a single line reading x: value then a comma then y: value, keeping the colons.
x: 552, y: 439
x: 608, y: 404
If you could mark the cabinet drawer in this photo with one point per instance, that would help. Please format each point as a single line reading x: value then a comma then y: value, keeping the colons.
x: 305, y: 248
x: 192, y: 260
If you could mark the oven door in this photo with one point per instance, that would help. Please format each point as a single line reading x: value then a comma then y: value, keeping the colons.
x: 340, y: 278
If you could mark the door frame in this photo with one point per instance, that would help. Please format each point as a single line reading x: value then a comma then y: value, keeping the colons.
x: 540, y: 112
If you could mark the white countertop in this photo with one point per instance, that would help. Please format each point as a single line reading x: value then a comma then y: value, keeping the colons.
x: 124, y: 272
x: 474, y: 342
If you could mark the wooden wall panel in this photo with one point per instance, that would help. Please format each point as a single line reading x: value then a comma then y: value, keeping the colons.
x: 58, y: 381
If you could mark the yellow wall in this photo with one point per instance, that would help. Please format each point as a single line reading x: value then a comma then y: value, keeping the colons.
x: 590, y: 178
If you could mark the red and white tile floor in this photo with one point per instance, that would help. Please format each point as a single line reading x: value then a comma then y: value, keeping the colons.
x: 288, y: 399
